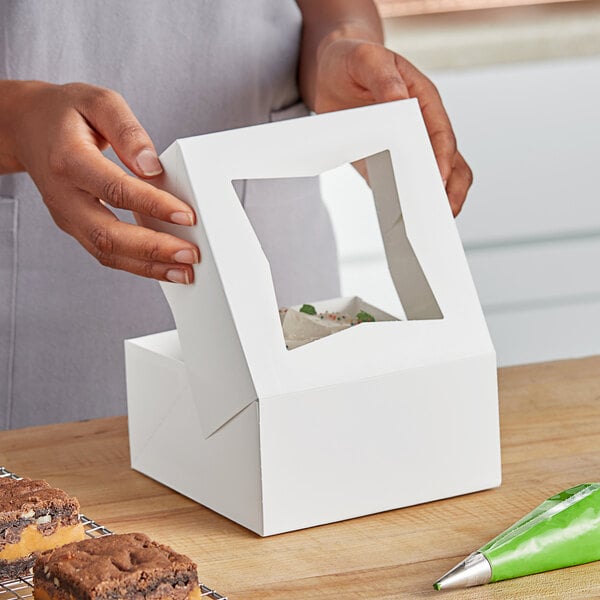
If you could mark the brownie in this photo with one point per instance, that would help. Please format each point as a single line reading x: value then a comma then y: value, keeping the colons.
x: 121, y: 566
x: 33, y: 517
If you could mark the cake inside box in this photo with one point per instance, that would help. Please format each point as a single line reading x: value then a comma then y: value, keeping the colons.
x: 307, y: 323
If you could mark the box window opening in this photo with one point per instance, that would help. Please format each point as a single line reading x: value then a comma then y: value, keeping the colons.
x: 380, y: 277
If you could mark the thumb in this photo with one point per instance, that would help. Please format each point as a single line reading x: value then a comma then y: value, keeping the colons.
x: 374, y: 68
x: 110, y: 115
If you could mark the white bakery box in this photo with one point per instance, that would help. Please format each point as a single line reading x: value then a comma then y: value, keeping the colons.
x: 379, y: 416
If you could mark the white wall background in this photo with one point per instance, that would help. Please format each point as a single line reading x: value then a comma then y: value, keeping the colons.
x: 531, y: 227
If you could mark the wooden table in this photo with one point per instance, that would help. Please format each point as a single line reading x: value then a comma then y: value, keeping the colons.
x: 550, y: 418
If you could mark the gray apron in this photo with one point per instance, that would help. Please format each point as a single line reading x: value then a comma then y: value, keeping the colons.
x: 185, y: 67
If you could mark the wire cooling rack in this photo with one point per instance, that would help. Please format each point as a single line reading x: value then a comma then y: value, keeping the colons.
x: 22, y: 587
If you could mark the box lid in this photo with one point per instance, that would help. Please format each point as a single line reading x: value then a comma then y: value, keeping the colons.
x: 228, y: 319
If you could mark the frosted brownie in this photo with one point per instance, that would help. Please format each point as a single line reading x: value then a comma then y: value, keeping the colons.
x: 33, y: 517
x: 125, y: 566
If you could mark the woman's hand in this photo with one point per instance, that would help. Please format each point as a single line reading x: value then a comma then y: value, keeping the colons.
x: 344, y: 64
x: 58, y: 133
x: 354, y: 73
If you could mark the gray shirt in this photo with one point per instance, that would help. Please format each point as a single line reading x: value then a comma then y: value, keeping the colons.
x: 185, y: 67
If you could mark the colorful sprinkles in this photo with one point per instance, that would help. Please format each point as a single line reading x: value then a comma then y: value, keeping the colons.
x: 361, y: 317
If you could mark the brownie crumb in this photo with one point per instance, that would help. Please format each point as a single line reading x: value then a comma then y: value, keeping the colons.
x: 16, y: 568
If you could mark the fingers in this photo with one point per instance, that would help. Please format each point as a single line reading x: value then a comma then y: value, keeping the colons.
x: 62, y: 141
x: 109, y: 114
x: 108, y: 117
x: 373, y: 67
x: 459, y: 183
x: 386, y: 76
x: 355, y: 72
x: 434, y: 114
x: 173, y: 273
x: 93, y: 173
x: 125, y: 246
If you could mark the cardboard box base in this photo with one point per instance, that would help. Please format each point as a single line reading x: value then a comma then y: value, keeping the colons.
x: 319, y: 456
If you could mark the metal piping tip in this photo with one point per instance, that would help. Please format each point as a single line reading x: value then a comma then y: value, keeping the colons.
x: 474, y: 570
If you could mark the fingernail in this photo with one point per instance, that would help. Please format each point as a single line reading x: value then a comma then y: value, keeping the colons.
x: 188, y: 257
x: 182, y: 218
x: 177, y: 276
x: 445, y: 182
x: 148, y: 163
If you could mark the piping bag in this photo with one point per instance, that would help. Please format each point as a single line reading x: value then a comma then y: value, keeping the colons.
x: 561, y: 532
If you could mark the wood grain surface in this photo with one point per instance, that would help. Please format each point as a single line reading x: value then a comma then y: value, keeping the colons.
x: 404, y: 8
x: 550, y: 419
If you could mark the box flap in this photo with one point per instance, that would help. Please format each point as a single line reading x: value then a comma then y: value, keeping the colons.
x: 218, y: 372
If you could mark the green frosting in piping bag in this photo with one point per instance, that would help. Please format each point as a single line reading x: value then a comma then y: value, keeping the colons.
x: 561, y: 532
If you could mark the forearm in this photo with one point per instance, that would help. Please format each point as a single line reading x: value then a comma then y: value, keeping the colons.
x: 13, y: 109
x: 326, y: 21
